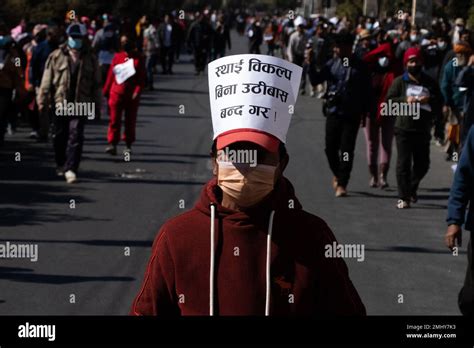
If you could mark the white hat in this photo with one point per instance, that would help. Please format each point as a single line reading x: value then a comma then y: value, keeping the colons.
x: 299, y: 21
x: 252, y: 98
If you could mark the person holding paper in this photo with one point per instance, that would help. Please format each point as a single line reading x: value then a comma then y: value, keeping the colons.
x: 125, y: 82
x: 420, y: 97
x: 247, y: 247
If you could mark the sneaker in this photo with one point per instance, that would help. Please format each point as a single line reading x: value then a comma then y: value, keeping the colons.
x: 401, y: 204
x: 383, y: 182
x: 10, y: 130
x: 33, y: 135
x: 70, y: 176
x: 111, y: 150
x: 341, y: 191
x: 321, y: 95
x: 373, y: 182
x: 60, y: 171
x: 312, y: 94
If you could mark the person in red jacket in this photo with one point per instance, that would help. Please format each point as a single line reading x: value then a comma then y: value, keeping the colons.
x: 247, y: 247
x: 125, y: 82
x: 379, y: 130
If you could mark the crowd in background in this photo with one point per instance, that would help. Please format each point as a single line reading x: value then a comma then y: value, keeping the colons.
x: 384, y: 56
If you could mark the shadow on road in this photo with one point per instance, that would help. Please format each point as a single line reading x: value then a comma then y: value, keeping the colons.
x: 93, y: 242
x: 24, y: 275
x: 410, y: 249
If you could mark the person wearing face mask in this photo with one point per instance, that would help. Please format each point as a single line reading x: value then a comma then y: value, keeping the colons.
x: 420, y: 96
x: 123, y: 93
x: 106, y: 44
x: 10, y: 77
x: 454, y: 96
x: 71, y: 75
x: 247, y: 246
x: 379, y: 130
x: 347, y: 102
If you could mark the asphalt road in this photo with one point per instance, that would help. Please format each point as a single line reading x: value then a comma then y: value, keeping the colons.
x: 120, y: 206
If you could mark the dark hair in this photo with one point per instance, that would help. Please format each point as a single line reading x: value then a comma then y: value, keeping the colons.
x: 281, y: 150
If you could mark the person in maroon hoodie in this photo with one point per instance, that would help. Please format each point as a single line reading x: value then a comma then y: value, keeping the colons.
x: 247, y: 247
x: 123, y: 89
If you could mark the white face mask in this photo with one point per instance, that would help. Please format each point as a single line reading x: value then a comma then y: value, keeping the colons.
x: 442, y: 45
x: 413, y: 37
x: 383, y: 62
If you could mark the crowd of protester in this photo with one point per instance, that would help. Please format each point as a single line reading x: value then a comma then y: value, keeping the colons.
x: 355, y: 65
x: 360, y: 68
x: 358, y: 65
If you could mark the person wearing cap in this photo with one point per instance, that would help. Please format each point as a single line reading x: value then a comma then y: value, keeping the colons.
x: 454, y: 96
x: 347, y: 102
x: 364, y: 44
x: 462, y: 195
x: 247, y: 247
x: 417, y: 93
x: 124, y: 96
x: 297, y: 43
x: 71, y: 75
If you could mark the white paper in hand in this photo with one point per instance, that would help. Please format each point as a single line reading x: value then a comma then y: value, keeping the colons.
x: 124, y: 71
x: 253, y: 91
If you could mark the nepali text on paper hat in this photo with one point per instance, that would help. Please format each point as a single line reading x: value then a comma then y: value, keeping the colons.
x: 252, y: 93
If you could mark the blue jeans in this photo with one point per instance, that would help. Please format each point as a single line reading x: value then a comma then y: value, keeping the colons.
x: 150, y: 64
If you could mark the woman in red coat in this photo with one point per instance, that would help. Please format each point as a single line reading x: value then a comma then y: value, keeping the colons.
x: 125, y: 82
x: 379, y: 129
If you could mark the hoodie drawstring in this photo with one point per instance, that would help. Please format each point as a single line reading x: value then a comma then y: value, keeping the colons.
x: 213, y: 257
x: 269, y: 254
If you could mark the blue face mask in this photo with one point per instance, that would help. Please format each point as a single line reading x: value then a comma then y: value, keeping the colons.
x: 4, y: 40
x: 74, y: 43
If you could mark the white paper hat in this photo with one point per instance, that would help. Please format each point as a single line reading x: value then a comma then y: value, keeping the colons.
x: 252, y: 98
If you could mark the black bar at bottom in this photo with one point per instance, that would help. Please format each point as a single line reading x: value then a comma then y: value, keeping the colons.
x: 134, y: 331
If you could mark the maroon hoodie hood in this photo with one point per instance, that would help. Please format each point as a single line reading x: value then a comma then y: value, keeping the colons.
x: 266, y: 260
